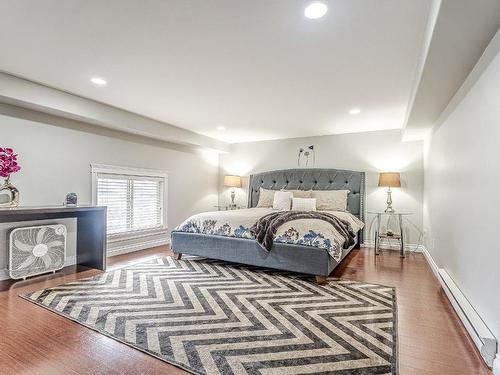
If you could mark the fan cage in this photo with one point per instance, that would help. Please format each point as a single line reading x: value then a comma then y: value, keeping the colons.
x: 36, y: 250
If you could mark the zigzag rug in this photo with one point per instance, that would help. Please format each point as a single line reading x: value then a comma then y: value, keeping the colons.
x: 210, y: 317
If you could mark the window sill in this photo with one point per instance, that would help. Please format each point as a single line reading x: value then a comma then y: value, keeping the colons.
x: 118, y: 237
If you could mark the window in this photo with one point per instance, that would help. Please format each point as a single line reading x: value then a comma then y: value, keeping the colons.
x: 134, y: 198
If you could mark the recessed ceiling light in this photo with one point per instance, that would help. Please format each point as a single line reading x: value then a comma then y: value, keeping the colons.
x: 355, y: 111
x: 315, y: 10
x: 221, y: 128
x: 98, y: 81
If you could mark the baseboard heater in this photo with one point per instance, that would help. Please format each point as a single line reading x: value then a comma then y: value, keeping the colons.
x: 479, y: 332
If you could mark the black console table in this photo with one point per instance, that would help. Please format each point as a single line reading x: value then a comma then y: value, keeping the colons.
x: 90, y: 232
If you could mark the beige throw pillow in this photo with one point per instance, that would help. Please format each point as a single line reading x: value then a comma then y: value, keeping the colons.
x: 331, y: 200
x: 282, y: 200
x: 303, y: 204
x: 266, y: 198
x: 300, y: 193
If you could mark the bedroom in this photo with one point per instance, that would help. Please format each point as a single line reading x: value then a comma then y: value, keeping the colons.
x: 249, y: 187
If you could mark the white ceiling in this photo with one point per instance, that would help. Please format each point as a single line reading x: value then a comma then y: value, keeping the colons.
x: 259, y: 67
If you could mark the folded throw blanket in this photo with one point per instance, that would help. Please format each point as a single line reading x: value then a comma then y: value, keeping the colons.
x: 266, y: 227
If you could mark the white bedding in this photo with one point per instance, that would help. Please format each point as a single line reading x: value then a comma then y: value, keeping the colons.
x: 237, y: 223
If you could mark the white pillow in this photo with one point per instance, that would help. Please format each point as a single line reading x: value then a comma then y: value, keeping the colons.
x: 282, y: 200
x: 330, y: 200
x: 303, y: 204
x: 300, y: 193
x: 266, y: 198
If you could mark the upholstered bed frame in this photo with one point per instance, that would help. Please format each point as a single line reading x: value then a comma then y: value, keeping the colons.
x: 290, y: 257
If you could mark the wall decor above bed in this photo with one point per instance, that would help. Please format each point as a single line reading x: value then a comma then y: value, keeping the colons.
x: 306, y: 154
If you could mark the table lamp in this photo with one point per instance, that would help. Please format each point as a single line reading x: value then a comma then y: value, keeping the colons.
x: 389, y: 179
x: 232, y: 182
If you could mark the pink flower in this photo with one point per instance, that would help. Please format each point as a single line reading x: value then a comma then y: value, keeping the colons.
x: 8, y: 162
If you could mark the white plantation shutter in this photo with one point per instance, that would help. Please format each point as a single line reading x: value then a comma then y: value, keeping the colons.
x: 134, y: 202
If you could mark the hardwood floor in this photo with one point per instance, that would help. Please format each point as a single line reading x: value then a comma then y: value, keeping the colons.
x: 35, y: 341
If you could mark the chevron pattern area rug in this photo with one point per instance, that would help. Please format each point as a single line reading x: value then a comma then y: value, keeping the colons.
x: 209, y: 317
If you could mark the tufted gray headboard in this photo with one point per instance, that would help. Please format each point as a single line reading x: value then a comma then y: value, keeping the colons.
x: 315, y: 179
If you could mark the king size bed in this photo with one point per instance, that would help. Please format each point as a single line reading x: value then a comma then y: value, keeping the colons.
x: 305, y: 245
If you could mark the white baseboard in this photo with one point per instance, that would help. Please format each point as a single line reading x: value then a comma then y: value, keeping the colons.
x: 496, y: 365
x: 479, y: 332
x: 393, y: 246
x: 431, y: 262
x: 124, y: 249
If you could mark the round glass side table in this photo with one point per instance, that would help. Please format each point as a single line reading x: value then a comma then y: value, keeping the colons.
x: 387, y: 234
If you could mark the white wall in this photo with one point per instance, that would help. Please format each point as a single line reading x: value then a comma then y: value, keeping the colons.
x: 371, y: 152
x: 56, y: 160
x: 461, y: 199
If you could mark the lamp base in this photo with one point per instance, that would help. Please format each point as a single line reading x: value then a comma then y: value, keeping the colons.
x: 389, y: 208
x: 232, y: 205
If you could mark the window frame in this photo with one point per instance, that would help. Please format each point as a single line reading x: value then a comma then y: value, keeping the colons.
x: 132, y: 171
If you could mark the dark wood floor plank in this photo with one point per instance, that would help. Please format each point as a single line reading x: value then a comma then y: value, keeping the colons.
x: 36, y: 341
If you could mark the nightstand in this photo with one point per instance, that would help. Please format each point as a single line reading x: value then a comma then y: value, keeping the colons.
x: 387, y: 235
